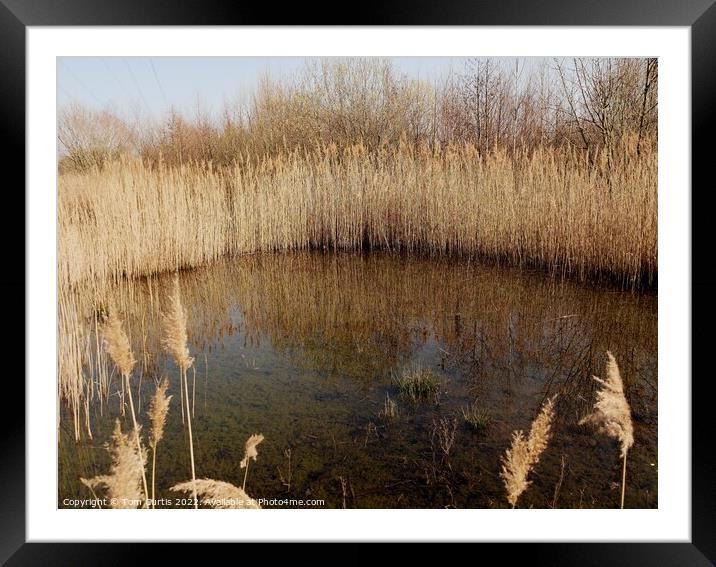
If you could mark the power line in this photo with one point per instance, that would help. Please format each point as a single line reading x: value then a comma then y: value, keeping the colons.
x: 64, y: 91
x: 136, y: 84
x: 71, y: 72
x: 114, y: 76
x: 151, y: 62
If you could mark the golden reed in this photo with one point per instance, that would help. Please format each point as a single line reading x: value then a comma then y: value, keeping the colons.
x: 118, y: 346
x: 612, y: 414
x: 176, y: 342
x: 158, y: 410
x: 218, y: 494
x: 524, y: 453
x: 124, y: 484
x: 554, y: 208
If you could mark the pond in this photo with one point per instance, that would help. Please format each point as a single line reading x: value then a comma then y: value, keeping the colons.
x: 307, y: 348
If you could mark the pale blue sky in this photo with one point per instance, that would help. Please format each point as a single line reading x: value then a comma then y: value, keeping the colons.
x: 154, y: 84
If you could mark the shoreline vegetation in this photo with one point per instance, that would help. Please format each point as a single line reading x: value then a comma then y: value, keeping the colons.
x: 550, y: 209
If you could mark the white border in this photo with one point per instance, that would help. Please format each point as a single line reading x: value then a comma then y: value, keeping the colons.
x: 671, y: 522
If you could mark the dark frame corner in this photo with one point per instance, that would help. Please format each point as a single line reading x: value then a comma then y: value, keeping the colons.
x: 700, y: 15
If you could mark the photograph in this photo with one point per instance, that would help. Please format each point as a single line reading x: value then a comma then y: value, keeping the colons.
x: 332, y: 282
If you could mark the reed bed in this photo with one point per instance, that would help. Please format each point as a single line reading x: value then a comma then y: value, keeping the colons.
x: 556, y: 208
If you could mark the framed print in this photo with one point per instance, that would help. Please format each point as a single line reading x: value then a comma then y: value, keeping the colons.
x: 424, y: 278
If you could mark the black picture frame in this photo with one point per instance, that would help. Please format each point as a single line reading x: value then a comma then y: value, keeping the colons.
x: 699, y: 15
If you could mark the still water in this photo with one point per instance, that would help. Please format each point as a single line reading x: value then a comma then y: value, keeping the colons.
x: 305, y: 348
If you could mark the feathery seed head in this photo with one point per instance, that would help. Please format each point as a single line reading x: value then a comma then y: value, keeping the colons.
x: 158, y: 410
x: 251, y: 452
x: 117, y: 344
x: 515, y: 467
x: 524, y: 453
x: 124, y: 483
x: 218, y: 494
x: 175, y: 338
x: 540, y: 431
x: 612, y: 414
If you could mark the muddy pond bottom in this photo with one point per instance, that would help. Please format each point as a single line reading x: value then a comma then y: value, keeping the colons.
x: 308, y: 349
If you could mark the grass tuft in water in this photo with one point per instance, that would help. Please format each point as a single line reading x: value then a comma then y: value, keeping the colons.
x: 418, y: 384
x: 478, y: 418
x: 390, y: 409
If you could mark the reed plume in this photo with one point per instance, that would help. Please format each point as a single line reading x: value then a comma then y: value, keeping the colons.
x: 515, y: 467
x: 117, y: 345
x: 175, y: 337
x: 218, y: 494
x: 175, y: 341
x: 158, y: 410
x: 612, y: 414
x: 124, y: 484
x: 540, y: 430
x: 524, y: 453
x: 251, y: 453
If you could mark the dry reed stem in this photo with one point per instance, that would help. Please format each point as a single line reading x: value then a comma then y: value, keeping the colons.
x: 218, y: 494
x: 191, y: 439
x: 119, y: 349
x: 124, y: 484
x: 158, y: 410
x: 175, y: 341
x: 138, y: 439
x: 250, y: 453
x: 521, y: 457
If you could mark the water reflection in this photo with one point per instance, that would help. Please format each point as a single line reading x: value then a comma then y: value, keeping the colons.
x: 303, y: 347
